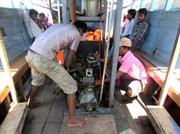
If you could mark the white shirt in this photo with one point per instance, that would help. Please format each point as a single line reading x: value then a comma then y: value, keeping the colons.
x: 128, y: 28
x: 32, y: 27
x: 57, y: 37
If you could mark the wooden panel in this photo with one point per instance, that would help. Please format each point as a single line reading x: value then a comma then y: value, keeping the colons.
x: 99, y: 124
x: 21, y: 65
x: 17, y: 39
x: 160, y: 39
x: 162, y: 121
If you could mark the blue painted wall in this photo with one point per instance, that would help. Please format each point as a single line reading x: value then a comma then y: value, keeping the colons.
x: 161, y: 37
x: 16, y: 39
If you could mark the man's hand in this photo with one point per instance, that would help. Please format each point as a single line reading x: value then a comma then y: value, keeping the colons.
x: 119, y: 74
x: 98, y: 82
x: 97, y: 56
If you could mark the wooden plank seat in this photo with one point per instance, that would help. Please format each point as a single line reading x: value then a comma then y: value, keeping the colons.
x: 159, y: 77
x: 162, y: 121
x: 14, y: 121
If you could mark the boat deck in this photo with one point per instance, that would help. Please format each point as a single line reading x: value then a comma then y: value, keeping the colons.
x: 129, y: 118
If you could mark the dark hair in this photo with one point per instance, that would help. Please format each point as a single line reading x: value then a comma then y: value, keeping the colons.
x: 129, y: 48
x: 143, y: 11
x: 132, y: 12
x: 42, y: 14
x: 81, y: 24
x: 32, y: 12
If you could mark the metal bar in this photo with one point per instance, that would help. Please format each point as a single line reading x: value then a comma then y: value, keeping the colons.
x: 142, y: 3
x: 116, y: 50
x: 50, y: 5
x: 107, y: 19
x: 168, y: 5
x: 99, y: 6
x: 59, y: 11
x: 153, y: 5
x: 64, y: 11
x: 6, y: 67
x: 172, y: 64
x: 12, y: 3
x: 106, y: 54
x: 73, y: 11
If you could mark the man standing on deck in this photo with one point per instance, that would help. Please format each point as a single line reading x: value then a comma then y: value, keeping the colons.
x: 31, y: 23
x: 126, y: 32
x: 41, y: 58
x: 129, y: 26
x: 140, y: 29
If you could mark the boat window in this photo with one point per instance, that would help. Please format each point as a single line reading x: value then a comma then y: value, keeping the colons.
x: 176, y: 4
x: 146, y: 4
x: 160, y: 4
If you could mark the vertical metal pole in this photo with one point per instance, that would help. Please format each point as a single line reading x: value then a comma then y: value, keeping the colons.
x: 73, y: 13
x: 99, y: 6
x: 107, y: 19
x: 142, y: 3
x: 116, y: 50
x: 12, y: 3
x: 59, y: 11
x: 107, y: 49
x: 153, y: 5
x: 168, y: 5
x: 64, y: 11
x: 50, y: 6
x: 5, y: 64
x: 172, y: 64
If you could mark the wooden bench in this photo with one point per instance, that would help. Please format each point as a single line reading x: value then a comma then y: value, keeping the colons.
x: 159, y: 77
x: 18, y: 67
x: 14, y: 121
x: 162, y: 121
x: 159, y: 117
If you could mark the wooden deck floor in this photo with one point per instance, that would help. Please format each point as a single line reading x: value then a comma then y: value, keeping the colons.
x: 48, y: 117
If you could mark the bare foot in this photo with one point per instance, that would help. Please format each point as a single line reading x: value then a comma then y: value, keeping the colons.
x: 76, y: 122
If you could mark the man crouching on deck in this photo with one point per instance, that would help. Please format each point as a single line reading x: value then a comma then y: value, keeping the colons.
x: 131, y: 76
x: 41, y: 58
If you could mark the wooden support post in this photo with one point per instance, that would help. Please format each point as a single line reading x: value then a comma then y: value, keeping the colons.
x: 172, y: 65
x: 73, y: 17
x: 6, y: 67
